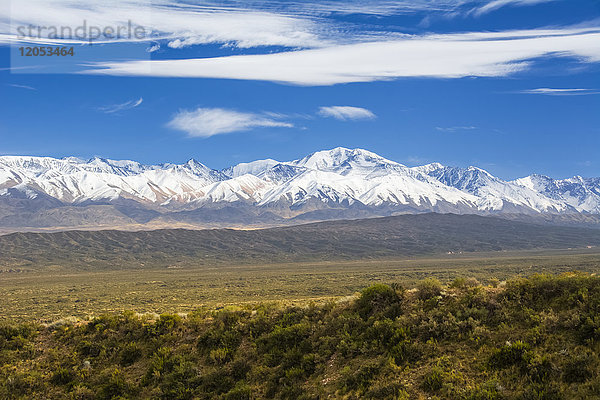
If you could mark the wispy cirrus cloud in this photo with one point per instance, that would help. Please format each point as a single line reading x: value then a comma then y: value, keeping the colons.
x: 364, y: 7
x: 560, y: 92
x: 237, y: 23
x: 482, y: 54
x: 345, y: 113
x: 15, y: 85
x: 116, y: 108
x: 313, y: 47
x: 207, y: 122
x: 452, y: 129
x: 497, y: 4
x: 178, y: 23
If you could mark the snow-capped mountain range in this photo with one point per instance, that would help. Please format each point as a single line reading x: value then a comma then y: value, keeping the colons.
x: 336, y: 183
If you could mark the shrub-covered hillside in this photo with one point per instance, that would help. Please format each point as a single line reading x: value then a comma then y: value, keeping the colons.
x: 535, y: 338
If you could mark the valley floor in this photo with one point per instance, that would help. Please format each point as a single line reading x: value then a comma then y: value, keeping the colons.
x: 59, y: 292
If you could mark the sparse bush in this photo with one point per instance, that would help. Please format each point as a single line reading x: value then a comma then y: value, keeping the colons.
x: 386, y: 344
x: 428, y: 288
x: 541, y: 369
x: 590, y: 328
x: 464, y: 283
x: 361, y: 377
x: 82, y: 393
x: 167, y: 323
x: 220, y: 356
x: 114, y: 384
x: 15, y: 337
x: 240, y: 392
x: 387, y: 390
x: 130, y: 353
x: 486, y: 391
x: 542, y: 391
x: 62, y: 376
x: 580, y: 366
x: 406, y: 352
x: 376, y: 299
x: 516, y: 353
x: 89, y: 348
x: 433, y: 381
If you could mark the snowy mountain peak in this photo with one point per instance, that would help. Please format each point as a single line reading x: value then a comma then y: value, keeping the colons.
x: 192, y: 162
x: 343, y: 160
x: 104, y: 165
x: 74, y: 160
x: 469, y: 179
x: 535, y: 182
x: 253, y: 168
x: 191, y: 168
x: 583, y: 194
x: 339, y: 179
x: 427, y: 168
x: 196, y: 166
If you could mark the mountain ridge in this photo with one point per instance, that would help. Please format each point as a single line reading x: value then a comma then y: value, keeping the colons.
x: 332, y: 184
x: 404, y: 236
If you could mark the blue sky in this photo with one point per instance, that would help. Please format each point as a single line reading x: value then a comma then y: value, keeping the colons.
x: 511, y: 86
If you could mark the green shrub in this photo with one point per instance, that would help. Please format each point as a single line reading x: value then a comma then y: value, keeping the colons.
x: 219, y: 337
x: 62, y: 376
x: 464, y: 283
x: 167, y: 323
x: 539, y: 391
x: 282, y: 339
x: 580, y: 367
x: 114, y: 384
x: 89, y: 348
x: 130, y: 353
x: 433, y: 381
x: 406, y: 352
x: 516, y: 353
x: 82, y: 393
x: 376, y: 299
x: 541, y: 369
x: 387, y: 390
x: 15, y: 337
x: 543, y: 290
x: 180, y: 380
x: 361, y: 377
x: 386, y: 333
x: 486, y: 391
x: 240, y: 392
x: 428, y: 288
x: 220, y: 356
x: 590, y: 328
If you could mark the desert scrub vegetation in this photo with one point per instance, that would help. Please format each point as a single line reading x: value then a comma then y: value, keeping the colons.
x: 530, y: 338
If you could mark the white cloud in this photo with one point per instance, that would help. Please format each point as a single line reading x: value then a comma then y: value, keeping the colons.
x: 443, y: 7
x: 21, y: 86
x: 153, y: 48
x: 496, y: 4
x: 206, y: 122
x: 367, y: 7
x: 455, y: 128
x: 560, y: 92
x: 483, y: 54
x: 115, y: 108
x: 179, y: 23
x: 241, y: 23
x: 345, y: 113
